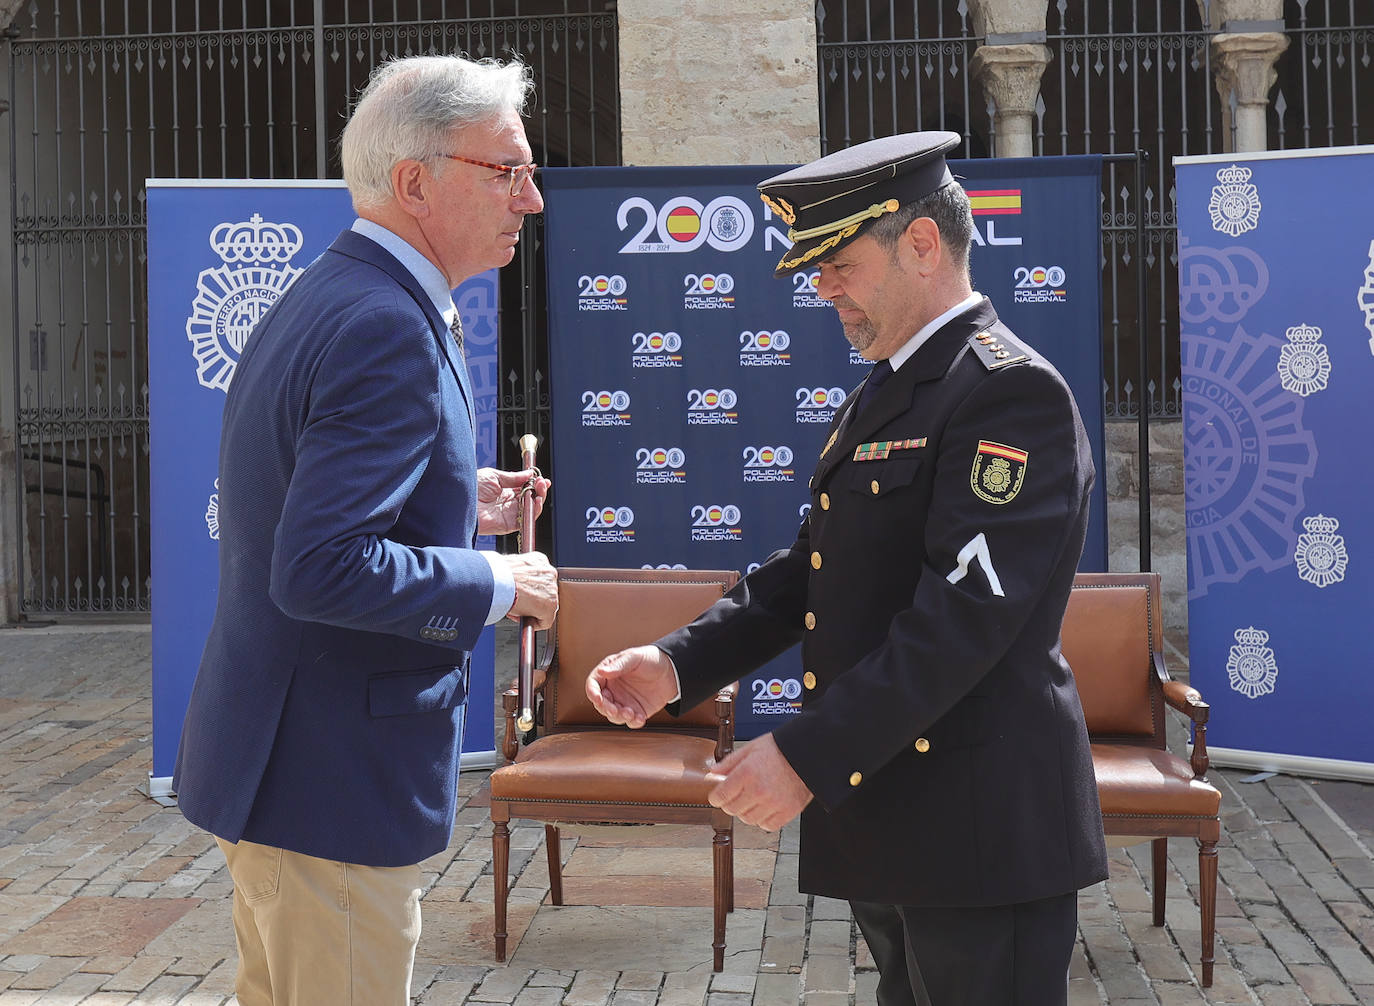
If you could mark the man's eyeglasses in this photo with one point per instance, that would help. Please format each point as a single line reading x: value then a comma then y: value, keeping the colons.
x: 519, y: 173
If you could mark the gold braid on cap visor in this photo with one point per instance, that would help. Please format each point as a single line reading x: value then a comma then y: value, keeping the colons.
x: 874, y: 211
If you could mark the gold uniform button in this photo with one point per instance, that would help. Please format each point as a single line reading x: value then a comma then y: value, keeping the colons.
x: 874, y: 486
x: 810, y: 620
x: 856, y: 778
x: 922, y: 745
x: 809, y: 680
x: 825, y: 501
x: 815, y: 560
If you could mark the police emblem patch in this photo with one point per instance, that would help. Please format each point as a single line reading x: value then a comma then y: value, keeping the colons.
x: 998, y: 471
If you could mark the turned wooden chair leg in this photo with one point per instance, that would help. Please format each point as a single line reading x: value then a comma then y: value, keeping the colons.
x: 1159, y: 849
x: 500, y: 867
x: 551, y: 847
x: 1207, y: 896
x: 721, y: 869
x: 730, y: 868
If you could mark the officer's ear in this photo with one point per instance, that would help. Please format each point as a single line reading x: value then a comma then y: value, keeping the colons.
x: 921, y: 240
x: 410, y: 187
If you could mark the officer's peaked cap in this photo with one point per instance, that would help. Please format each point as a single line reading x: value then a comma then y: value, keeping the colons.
x: 830, y: 202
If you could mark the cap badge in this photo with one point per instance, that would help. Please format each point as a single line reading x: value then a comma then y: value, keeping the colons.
x: 781, y: 207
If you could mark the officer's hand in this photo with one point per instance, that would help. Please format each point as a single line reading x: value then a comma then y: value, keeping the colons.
x: 498, y: 499
x: 758, y: 786
x: 630, y: 686
x: 536, y: 587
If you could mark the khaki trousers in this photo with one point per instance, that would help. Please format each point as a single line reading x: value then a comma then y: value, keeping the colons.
x: 317, y: 932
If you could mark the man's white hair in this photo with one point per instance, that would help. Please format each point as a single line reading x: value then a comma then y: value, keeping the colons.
x: 410, y: 108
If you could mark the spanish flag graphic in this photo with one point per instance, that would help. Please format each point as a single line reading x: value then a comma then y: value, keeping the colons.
x: 994, y: 202
x: 683, y: 224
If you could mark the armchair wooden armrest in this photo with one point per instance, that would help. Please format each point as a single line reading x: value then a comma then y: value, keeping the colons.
x: 1188, y: 700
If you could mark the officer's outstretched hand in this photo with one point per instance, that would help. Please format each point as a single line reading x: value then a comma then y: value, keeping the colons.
x: 630, y: 686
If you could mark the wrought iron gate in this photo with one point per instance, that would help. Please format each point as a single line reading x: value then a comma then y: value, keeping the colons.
x: 106, y: 93
x: 1126, y: 76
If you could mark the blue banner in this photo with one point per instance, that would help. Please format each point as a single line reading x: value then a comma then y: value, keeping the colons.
x: 692, y: 390
x: 1276, y: 288
x: 220, y: 253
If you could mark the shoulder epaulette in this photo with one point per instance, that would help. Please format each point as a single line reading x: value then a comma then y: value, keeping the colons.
x: 996, y: 351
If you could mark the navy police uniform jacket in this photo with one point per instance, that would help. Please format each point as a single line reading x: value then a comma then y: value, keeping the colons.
x: 940, y: 730
x: 325, y: 716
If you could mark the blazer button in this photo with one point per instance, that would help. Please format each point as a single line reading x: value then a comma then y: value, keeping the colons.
x: 825, y: 501
x: 810, y: 620
x: 922, y: 745
x: 815, y: 560
x: 874, y: 486
x: 809, y: 680
x: 856, y: 778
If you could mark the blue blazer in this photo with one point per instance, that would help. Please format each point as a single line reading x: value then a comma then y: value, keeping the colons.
x: 326, y: 714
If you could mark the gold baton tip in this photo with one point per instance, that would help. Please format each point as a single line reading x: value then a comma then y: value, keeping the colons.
x: 526, y: 721
x: 529, y: 442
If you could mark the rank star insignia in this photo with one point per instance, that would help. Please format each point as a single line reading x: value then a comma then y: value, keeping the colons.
x: 880, y: 449
x: 998, y: 471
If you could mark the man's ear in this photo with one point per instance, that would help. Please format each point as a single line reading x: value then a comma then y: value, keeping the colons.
x: 409, y: 185
x: 922, y: 240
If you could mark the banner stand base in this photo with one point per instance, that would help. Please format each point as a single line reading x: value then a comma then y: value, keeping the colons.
x: 1322, y: 768
x: 160, y: 790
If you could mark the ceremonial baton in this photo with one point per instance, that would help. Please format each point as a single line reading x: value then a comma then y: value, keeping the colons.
x: 525, y: 685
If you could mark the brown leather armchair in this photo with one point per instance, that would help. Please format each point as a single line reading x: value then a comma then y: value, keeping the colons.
x: 584, y: 769
x: 1113, y: 640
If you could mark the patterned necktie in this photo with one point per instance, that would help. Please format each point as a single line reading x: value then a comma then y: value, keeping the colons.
x: 881, y: 371
x: 455, y: 329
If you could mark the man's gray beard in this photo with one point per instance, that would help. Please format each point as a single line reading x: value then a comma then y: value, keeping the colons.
x: 860, y: 334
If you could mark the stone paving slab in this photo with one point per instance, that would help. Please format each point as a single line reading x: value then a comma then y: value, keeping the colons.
x: 108, y: 899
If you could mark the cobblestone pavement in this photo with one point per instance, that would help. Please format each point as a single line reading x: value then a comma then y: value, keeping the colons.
x: 107, y: 898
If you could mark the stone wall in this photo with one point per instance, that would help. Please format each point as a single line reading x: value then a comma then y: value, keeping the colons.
x: 703, y: 82
x: 1168, y: 555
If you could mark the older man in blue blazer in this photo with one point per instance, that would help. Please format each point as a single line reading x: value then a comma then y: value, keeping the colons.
x: 321, y: 745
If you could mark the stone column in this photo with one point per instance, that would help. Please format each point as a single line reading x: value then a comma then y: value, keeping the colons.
x: 1010, y: 76
x: 703, y: 82
x: 1249, y: 40
x: 1009, y: 66
x: 1243, y: 63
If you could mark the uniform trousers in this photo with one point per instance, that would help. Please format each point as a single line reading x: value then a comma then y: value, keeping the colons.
x: 318, y: 932
x: 1007, y: 955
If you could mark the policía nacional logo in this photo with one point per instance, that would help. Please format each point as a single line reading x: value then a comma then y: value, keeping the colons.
x: 1320, y: 556
x: 212, y: 513
x: 1304, y: 366
x: 1251, y: 667
x: 998, y: 471
x: 1235, y: 203
x: 1366, y: 297
x: 232, y: 297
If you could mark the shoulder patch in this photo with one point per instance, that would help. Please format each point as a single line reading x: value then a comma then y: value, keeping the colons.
x: 996, y: 351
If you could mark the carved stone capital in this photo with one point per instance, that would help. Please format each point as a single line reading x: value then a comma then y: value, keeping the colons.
x: 1246, y: 65
x: 1010, y: 77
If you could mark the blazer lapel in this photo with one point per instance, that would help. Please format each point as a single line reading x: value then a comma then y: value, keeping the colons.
x: 355, y: 246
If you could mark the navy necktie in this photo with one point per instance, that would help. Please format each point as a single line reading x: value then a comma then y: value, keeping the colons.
x: 881, y: 371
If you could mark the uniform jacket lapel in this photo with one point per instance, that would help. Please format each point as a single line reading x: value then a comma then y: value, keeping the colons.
x: 896, y: 397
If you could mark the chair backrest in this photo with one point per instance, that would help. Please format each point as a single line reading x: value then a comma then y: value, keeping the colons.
x: 601, y: 611
x: 1111, y: 633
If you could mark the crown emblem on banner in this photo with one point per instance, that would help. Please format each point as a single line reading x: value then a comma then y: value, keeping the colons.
x: 1234, y: 175
x: 1303, y: 333
x: 1252, y: 636
x: 256, y: 240
x: 1320, y: 524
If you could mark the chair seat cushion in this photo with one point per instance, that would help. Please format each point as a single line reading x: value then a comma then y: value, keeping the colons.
x: 610, y: 767
x: 1135, y: 780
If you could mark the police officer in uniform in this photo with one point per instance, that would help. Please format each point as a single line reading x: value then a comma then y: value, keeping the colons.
x: 940, y: 762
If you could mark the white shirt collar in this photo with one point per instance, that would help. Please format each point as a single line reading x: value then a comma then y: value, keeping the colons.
x: 426, y: 273
x: 916, y: 341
